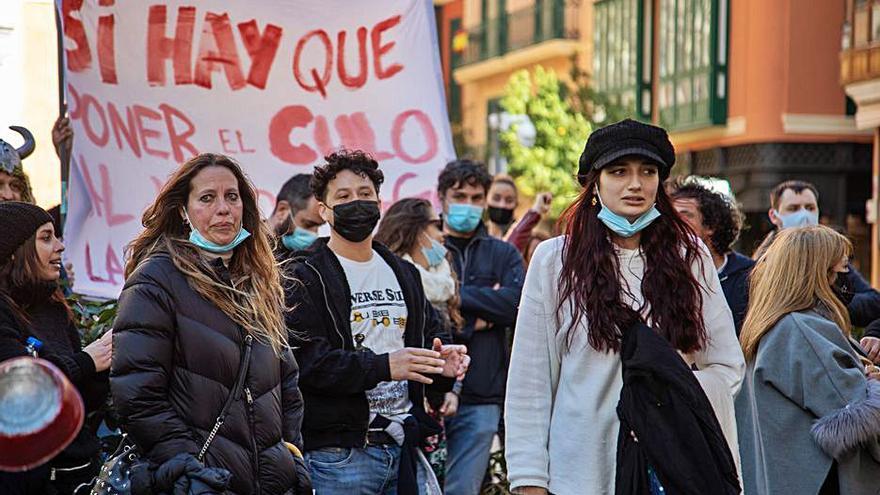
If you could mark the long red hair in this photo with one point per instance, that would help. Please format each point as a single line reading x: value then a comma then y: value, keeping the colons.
x: 590, y: 281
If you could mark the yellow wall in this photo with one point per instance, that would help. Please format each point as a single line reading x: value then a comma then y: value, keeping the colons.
x: 29, y: 88
x: 476, y: 92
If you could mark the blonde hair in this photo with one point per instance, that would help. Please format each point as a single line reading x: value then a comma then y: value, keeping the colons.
x: 794, y: 274
x: 256, y: 298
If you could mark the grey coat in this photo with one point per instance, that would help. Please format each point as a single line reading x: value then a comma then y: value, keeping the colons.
x: 804, y: 402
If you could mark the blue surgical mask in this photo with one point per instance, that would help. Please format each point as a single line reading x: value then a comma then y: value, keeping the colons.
x: 463, y: 218
x: 623, y: 227
x: 434, y: 254
x: 800, y: 218
x: 199, y: 240
x: 299, y: 239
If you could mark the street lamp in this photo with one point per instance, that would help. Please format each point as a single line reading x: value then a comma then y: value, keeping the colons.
x: 501, y: 122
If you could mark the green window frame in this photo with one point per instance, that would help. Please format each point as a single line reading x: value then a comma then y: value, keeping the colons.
x: 454, y: 61
x: 692, y: 86
x: 617, y: 57
x: 493, y: 39
x: 692, y: 46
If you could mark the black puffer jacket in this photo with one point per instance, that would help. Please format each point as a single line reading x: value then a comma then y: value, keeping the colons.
x: 175, y: 360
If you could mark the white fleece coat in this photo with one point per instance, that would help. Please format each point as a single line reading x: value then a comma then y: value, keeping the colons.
x: 560, y: 415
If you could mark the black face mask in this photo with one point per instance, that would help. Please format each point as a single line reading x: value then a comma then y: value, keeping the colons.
x: 501, y: 216
x: 356, y: 220
x: 842, y: 290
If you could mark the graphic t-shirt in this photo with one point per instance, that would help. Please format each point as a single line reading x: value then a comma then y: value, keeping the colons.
x: 378, y: 320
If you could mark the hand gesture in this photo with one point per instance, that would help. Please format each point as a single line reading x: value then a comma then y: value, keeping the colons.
x: 455, y: 357
x: 101, y: 351
x: 450, y: 405
x: 542, y: 203
x: 872, y: 347
x: 71, y: 274
x: 411, y: 363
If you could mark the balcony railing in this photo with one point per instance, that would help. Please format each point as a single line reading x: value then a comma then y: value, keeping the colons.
x: 860, y: 42
x: 544, y: 20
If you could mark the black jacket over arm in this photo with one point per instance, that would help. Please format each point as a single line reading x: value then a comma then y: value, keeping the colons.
x: 667, y: 423
x: 175, y: 360
x: 334, y: 377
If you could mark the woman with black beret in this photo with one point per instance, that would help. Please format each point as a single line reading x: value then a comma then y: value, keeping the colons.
x: 626, y: 260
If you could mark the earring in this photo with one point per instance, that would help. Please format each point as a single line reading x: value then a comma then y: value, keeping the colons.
x: 594, y: 202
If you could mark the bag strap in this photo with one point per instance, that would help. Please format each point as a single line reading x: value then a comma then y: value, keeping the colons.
x: 236, y: 391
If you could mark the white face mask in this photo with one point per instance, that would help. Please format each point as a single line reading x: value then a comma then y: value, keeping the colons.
x: 800, y: 218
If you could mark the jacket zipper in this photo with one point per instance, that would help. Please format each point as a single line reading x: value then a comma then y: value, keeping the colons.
x: 464, y: 258
x: 256, y: 455
x: 249, y: 398
x: 327, y: 303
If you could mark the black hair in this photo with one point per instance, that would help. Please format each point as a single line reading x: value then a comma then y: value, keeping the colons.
x: 798, y: 186
x: 720, y: 214
x: 461, y: 172
x: 356, y: 161
x: 296, y: 192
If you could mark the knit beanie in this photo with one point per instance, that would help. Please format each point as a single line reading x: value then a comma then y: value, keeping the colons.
x: 18, y: 222
x: 625, y: 138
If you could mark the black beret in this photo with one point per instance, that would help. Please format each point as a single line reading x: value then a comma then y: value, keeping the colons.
x: 625, y: 138
x: 18, y: 222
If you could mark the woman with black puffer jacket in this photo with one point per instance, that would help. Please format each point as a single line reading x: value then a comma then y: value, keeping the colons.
x: 32, y: 306
x: 202, y: 375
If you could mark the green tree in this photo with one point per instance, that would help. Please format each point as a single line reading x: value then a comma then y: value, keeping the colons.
x: 551, y: 164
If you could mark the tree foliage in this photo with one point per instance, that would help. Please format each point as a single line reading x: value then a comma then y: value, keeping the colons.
x: 551, y: 164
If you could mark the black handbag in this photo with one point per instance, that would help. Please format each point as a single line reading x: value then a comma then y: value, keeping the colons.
x: 115, y: 475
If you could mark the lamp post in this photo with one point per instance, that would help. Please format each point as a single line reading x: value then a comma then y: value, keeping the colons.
x: 501, y: 122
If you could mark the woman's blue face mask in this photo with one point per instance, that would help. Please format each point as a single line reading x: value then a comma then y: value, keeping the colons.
x: 435, y: 254
x: 200, y: 241
x: 620, y: 225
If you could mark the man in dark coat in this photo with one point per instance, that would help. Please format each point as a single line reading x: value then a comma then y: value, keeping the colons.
x: 716, y: 220
x: 795, y: 203
x: 491, y: 273
x: 368, y: 344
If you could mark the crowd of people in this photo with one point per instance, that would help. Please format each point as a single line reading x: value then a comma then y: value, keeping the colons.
x: 635, y: 353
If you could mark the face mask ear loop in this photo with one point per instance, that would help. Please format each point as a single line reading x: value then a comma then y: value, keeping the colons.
x: 186, y: 220
x: 596, y: 193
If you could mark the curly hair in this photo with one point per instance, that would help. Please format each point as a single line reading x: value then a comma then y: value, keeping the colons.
x: 720, y: 213
x: 356, y: 161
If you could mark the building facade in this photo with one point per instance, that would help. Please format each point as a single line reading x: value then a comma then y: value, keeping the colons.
x: 860, y: 76
x: 749, y: 90
x: 489, y: 40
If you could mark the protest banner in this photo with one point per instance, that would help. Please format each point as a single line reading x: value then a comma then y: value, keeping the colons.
x: 274, y: 84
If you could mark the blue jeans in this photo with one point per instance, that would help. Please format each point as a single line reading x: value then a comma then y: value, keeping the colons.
x: 468, y: 440
x: 368, y: 471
